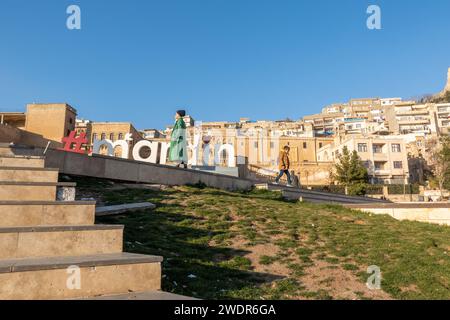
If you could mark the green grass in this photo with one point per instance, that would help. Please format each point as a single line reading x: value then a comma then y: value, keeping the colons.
x: 267, y: 260
x: 195, y: 230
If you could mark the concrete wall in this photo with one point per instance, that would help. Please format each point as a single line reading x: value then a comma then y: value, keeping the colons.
x: 10, y: 134
x: 424, y: 212
x: 52, y: 121
x: 398, y: 197
x: 130, y: 170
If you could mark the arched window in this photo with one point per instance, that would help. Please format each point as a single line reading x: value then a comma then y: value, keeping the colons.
x: 103, y: 136
x: 118, y: 151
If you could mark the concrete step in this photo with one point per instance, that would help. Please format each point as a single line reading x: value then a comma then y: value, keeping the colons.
x: 105, y: 274
x: 123, y: 208
x: 27, y: 174
x: 53, y: 241
x: 21, y: 161
x: 46, y: 213
x: 30, y: 191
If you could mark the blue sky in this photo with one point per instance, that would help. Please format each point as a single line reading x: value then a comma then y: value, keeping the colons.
x: 139, y: 60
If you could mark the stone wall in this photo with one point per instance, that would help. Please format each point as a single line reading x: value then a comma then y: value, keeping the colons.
x: 10, y: 134
x: 130, y: 170
x: 424, y: 212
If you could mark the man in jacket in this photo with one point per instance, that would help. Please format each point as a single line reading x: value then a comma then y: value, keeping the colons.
x: 284, y: 165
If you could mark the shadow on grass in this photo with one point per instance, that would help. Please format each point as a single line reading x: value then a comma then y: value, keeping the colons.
x: 191, y: 266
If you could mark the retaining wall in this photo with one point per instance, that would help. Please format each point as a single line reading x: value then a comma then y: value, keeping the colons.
x: 130, y: 170
x: 425, y: 212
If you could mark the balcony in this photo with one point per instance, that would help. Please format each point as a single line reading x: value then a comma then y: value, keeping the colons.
x: 413, y: 121
x: 412, y: 112
x: 380, y: 156
x: 381, y: 172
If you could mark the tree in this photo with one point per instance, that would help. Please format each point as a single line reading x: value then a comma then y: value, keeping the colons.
x: 437, y: 98
x: 351, y: 173
x: 438, y: 158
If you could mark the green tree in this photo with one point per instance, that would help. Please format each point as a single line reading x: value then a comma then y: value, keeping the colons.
x: 438, y: 158
x: 351, y: 172
x: 438, y: 154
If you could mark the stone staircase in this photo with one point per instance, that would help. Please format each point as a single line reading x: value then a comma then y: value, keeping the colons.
x: 44, y: 243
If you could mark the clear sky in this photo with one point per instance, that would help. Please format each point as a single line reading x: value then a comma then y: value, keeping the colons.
x: 140, y: 60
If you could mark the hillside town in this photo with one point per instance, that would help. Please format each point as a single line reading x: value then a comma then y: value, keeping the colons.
x: 224, y: 158
x: 390, y: 135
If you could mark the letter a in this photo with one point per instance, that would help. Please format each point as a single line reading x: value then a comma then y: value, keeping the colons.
x: 374, y: 21
x: 74, y: 279
x: 74, y: 20
x: 374, y: 281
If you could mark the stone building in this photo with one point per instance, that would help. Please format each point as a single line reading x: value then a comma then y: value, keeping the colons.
x: 52, y: 121
x: 13, y: 119
x: 443, y: 118
x: 111, y: 131
x: 385, y: 157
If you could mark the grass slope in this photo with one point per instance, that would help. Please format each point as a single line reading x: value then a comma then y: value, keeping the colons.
x: 224, y: 245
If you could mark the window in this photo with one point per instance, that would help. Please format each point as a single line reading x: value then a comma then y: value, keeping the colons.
x: 320, y: 145
x: 120, y: 137
x: 379, y: 165
x: 94, y: 137
x: 362, y: 147
x: 305, y: 145
x: 111, y: 136
x: 396, y: 147
x: 398, y: 164
x: 377, y: 148
x: 103, y: 136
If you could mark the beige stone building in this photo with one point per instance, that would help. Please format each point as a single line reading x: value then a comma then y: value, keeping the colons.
x: 13, y: 119
x: 443, y: 118
x: 411, y: 118
x: 385, y: 157
x: 258, y: 144
x: 324, y: 124
x: 112, y: 131
x: 52, y: 121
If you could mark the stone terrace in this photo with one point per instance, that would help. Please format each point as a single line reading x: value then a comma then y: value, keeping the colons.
x: 40, y: 238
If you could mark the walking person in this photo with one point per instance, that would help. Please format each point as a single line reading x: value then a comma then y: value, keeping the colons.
x: 178, y: 143
x: 284, y: 165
